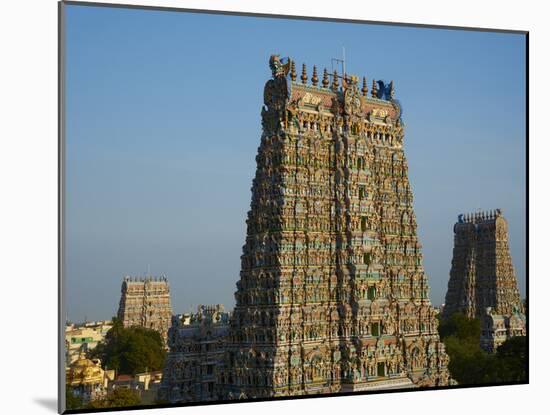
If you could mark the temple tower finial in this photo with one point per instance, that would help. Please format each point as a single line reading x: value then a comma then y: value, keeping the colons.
x: 314, y: 79
x: 335, y: 83
x: 325, y: 78
x: 304, y: 74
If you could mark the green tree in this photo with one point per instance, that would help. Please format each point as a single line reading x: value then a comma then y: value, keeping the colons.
x: 72, y: 401
x: 471, y: 365
x: 459, y: 325
x: 131, y: 350
x: 117, y: 398
x: 512, y: 355
x: 467, y: 360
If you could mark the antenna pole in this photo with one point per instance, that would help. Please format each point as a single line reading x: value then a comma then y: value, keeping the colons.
x: 339, y: 62
x: 343, y: 61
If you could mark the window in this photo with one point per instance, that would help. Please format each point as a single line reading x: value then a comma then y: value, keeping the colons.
x: 381, y: 369
x: 375, y: 329
x: 363, y: 224
x: 371, y: 293
x: 362, y: 192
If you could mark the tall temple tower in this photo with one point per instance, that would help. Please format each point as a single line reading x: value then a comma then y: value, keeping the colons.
x: 145, y: 302
x: 332, y: 294
x: 482, y: 274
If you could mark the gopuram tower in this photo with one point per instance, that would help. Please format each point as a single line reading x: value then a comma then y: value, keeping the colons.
x: 482, y: 273
x: 145, y: 302
x: 332, y: 294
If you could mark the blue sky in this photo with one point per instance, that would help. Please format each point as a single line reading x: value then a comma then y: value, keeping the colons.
x: 163, y: 126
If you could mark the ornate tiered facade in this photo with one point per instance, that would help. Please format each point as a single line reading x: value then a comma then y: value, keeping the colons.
x: 497, y: 328
x: 482, y: 273
x: 197, y: 347
x: 332, y: 295
x: 145, y: 302
x: 483, y: 281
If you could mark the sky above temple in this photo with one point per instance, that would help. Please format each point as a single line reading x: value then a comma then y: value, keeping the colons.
x: 163, y: 126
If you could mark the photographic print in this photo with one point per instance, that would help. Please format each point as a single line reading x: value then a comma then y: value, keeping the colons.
x: 269, y: 207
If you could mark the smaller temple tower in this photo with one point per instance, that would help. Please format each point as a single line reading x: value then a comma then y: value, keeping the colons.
x: 145, y: 302
x: 483, y: 281
x: 482, y: 273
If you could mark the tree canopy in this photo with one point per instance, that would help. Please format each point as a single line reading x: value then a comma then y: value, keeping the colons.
x: 471, y: 365
x: 72, y: 401
x: 462, y: 327
x: 131, y: 350
x: 117, y: 398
